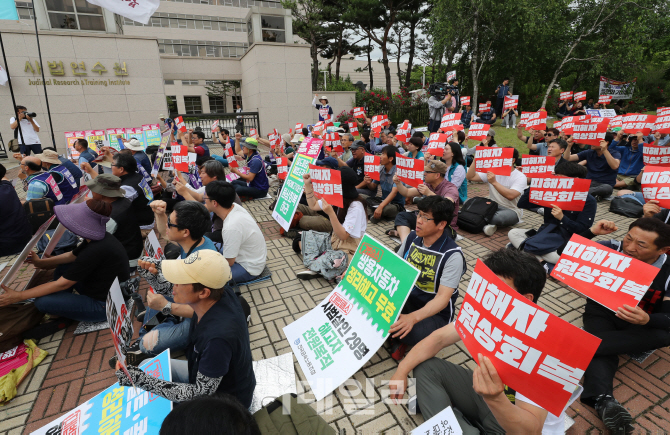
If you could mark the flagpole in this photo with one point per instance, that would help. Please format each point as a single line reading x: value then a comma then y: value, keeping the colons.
x: 44, y: 82
x: 11, y: 89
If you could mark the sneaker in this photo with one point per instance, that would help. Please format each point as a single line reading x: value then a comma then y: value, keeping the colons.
x: 413, y: 406
x: 307, y: 274
x: 513, y: 125
x: 616, y: 418
x: 374, y: 220
x: 135, y: 356
x: 507, y: 126
x: 458, y: 237
x: 598, y: 198
x: 399, y: 352
x: 490, y: 229
x: 291, y: 234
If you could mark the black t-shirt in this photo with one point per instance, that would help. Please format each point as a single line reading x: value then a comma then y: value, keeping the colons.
x: 98, y: 263
x: 127, y: 228
x: 219, y: 347
x: 359, y: 167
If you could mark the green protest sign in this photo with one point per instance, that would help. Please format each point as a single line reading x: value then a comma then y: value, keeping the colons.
x: 287, y: 203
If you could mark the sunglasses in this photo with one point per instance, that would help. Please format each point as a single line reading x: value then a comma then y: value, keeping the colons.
x: 170, y: 224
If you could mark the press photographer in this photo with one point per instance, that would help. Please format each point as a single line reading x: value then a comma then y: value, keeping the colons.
x: 29, y: 129
x: 441, y: 99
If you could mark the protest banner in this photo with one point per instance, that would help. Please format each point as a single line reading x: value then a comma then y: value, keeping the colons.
x: 409, y: 170
x: 616, y: 88
x: 478, y: 131
x: 377, y: 124
x: 317, y: 129
x: 230, y: 177
x: 152, y: 247
x: 332, y: 141
x: 580, y: 96
x: 602, y: 274
x: 137, y: 133
x: 327, y: 184
x: 167, y: 161
x: 215, y: 126
x: 604, y: 99
x: 71, y: 137
x: 118, y: 410
x: 536, y: 120
x: 18, y: 262
x: 230, y: 155
x: 359, y: 112
x: 494, y: 159
x: 353, y: 129
x: 328, y: 120
x: 275, y: 140
x: 298, y: 128
x: 152, y: 135
x: 403, y: 132
x: 95, y: 139
x: 656, y: 184
x: 451, y: 121
x: 253, y: 133
x: 120, y: 323
x: 451, y: 75
x: 605, y: 113
x: 110, y: 134
x: 661, y: 111
x: 511, y: 102
x: 180, y: 157
x: 654, y: 155
x: 160, y: 154
x: 662, y: 124
x: 465, y: 101
x: 310, y: 147
x: 288, y: 199
x: 484, y: 107
x: 537, y: 166
x: 587, y: 133
x: 534, y: 352
x: 524, y: 118
x: 442, y: 423
x: 557, y: 125
x: 282, y: 168
x: 565, y: 96
x: 337, y: 337
x: 180, y: 124
x: 436, y: 143
x: 372, y: 166
x: 567, y: 193
x: 616, y: 122
x: 634, y: 123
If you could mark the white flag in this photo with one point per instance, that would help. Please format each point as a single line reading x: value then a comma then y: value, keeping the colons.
x: 3, y: 76
x: 451, y: 75
x: 136, y: 10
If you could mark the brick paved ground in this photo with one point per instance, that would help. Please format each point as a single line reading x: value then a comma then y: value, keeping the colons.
x: 76, y: 368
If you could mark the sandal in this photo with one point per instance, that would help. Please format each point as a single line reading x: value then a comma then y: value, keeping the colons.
x: 392, y: 233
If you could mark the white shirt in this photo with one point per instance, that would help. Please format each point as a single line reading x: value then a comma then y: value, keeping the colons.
x: 515, y: 181
x: 29, y: 133
x: 356, y: 222
x: 553, y: 425
x: 243, y: 241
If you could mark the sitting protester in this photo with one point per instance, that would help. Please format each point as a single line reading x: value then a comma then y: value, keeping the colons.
x: 37, y: 183
x: 309, y: 219
x: 478, y: 397
x: 487, y: 117
x: 536, y: 137
x: 210, y: 170
x: 414, y: 146
x: 136, y: 148
x: 631, y: 160
x: 540, y: 148
x: 391, y: 202
x: 466, y: 116
x: 488, y: 141
x: 90, y: 268
x: 548, y: 241
x: 15, y: 230
x: 509, y: 117
x: 66, y: 181
x: 602, y: 164
x: 631, y: 329
x: 86, y: 154
x: 504, y: 190
x: 195, y: 141
x: 255, y: 184
x: 220, y: 413
x: 357, y: 163
x: 243, y: 243
x: 456, y: 169
x: 435, y: 183
x: 326, y: 255
x: 135, y: 186
x: 432, y: 250
x: 218, y: 350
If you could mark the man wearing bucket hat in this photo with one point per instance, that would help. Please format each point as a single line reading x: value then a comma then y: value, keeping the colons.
x: 64, y: 178
x: 255, y: 184
x: 219, y: 353
x: 325, y: 111
x: 135, y: 146
x: 123, y: 221
x: 90, y: 268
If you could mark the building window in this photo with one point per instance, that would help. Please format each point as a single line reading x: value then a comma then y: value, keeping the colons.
x: 272, y: 28
x: 186, y: 48
x: 168, y: 82
x: 190, y: 82
x: 237, y: 99
x: 74, y: 14
x: 183, y: 21
x: 172, y: 105
x: 25, y: 10
x: 193, y: 105
x: 213, y: 82
x: 217, y: 105
x: 234, y: 3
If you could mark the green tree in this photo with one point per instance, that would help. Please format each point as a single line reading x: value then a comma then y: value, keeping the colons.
x: 221, y: 89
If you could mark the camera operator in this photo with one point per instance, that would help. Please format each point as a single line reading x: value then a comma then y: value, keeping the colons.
x: 437, y: 103
x: 29, y: 129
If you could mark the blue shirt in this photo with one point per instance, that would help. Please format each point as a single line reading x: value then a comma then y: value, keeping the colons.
x: 208, y: 244
x: 257, y: 166
x: 143, y: 160
x: 598, y: 168
x: 504, y: 89
x: 466, y: 118
x: 486, y: 116
x: 631, y: 161
x: 74, y: 169
x: 386, y: 181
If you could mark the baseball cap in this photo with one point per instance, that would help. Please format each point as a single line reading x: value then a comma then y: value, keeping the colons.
x: 436, y: 166
x: 106, y: 185
x: 206, y: 267
x: 329, y: 162
x: 357, y: 144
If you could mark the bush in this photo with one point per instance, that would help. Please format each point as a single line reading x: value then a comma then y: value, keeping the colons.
x: 336, y: 85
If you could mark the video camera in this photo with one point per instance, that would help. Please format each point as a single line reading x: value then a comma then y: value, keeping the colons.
x: 440, y: 90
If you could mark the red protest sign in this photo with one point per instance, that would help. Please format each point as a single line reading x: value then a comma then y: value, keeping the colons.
x: 378, y: 122
x: 230, y: 156
x: 636, y: 122
x: 282, y: 168
x: 359, y: 112
x: 478, y: 131
x: 181, y: 125
x: 568, y: 123
x: 511, y: 102
x: 371, y: 164
x: 617, y: 121
x: 465, y: 101
x: 451, y: 121
x: 310, y: 147
x: 662, y: 124
x: 403, y: 131
x: 661, y: 111
x: 654, y: 155
x: 537, y: 120
x: 485, y: 107
x: 494, y: 159
x: 333, y: 142
x: 557, y: 125
x: 328, y: 120
x: 656, y: 184
x: 579, y: 96
x: 180, y: 157
x: 590, y: 134
x: 604, y: 99
x: 602, y: 274
x: 327, y: 184
x: 298, y: 127
x: 318, y: 128
x: 524, y: 118
x: 436, y: 142
x: 535, y: 352
x: 537, y: 166
x: 409, y: 170
x: 253, y: 132
x: 353, y: 129
x: 566, y: 193
x: 565, y: 96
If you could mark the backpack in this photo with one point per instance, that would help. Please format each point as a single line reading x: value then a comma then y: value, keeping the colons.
x: 476, y: 213
x: 628, y: 207
x: 38, y: 211
x: 15, y: 320
x: 287, y: 416
x: 67, y: 242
